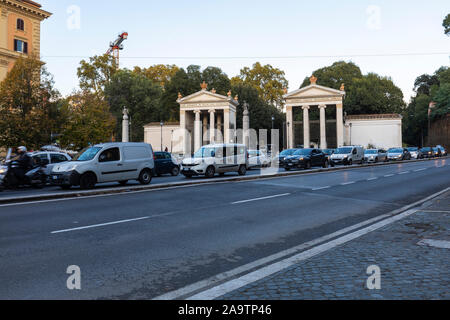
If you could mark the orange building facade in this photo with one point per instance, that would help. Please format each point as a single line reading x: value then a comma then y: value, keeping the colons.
x: 20, y: 31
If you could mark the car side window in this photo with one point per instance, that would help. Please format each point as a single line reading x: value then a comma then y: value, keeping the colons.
x: 355, y: 151
x: 167, y: 156
x: 110, y: 155
x: 57, y: 158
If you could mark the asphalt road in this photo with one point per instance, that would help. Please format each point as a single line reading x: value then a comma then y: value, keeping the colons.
x: 143, y: 244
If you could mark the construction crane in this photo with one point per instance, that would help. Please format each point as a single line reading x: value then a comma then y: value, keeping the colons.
x: 116, y: 46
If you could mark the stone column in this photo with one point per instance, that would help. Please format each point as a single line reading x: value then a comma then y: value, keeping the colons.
x: 290, y: 127
x: 197, y: 131
x: 204, y: 128
x: 340, y: 125
x: 125, y: 126
x: 306, y: 137
x: 184, y: 133
x: 226, y: 126
x: 246, y: 126
x: 212, y: 126
x: 323, y: 127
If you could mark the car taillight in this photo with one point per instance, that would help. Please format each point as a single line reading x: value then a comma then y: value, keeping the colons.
x: 154, y: 157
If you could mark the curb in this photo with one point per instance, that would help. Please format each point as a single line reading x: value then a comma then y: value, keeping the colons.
x: 80, y: 194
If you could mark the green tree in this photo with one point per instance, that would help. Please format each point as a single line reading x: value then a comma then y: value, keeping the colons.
x: 160, y: 73
x: 269, y: 81
x: 415, y: 120
x: 442, y: 100
x: 140, y: 95
x: 27, y: 96
x: 89, y: 121
x: 335, y: 75
x: 446, y: 25
x: 96, y: 73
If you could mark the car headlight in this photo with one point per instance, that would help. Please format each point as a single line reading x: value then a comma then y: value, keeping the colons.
x: 3, y: 170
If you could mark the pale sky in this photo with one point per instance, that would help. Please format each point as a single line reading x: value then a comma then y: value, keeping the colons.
x: 292, y: 35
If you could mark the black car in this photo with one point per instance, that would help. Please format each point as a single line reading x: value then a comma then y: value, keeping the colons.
x: 165, y: 163
x: 427, y: 152
x: 306, y: 158
x: 437, y: 152
x: 282, y: 156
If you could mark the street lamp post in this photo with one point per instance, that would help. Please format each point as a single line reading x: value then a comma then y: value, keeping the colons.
x: 273, y: 119
x: 162, y: 124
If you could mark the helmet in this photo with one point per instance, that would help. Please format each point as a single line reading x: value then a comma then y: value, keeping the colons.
x: 22, y: 148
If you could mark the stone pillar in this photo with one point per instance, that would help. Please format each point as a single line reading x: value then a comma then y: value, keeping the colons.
x: 306, y: 137
x: 323, y: 127
x: 290, y: 127
x: 204, y: 128
x: 246, y: 126
x: 226, y: 126
x: 339, y: 125
x: 125, y: 126
x: 197, y: 131
x: 212, y: 126
x: 184, y: 133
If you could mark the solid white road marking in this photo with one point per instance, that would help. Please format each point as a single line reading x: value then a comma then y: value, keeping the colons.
x: 262, y: 198
x: 240, y: 282
x: 99, y: 225
x: 321, y: 188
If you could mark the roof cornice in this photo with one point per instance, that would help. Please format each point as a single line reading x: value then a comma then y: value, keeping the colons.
x: 27, y: 7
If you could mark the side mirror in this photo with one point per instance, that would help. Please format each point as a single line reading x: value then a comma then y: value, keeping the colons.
x: 213, y: 154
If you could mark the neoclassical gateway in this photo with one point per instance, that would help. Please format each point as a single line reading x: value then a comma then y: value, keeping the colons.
x: 208, y: 117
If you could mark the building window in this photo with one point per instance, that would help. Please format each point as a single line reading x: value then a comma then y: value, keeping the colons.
x: 20, y: 24
x: 20, y: 46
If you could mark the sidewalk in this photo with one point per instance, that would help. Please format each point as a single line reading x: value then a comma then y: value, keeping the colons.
x: 412, y: 267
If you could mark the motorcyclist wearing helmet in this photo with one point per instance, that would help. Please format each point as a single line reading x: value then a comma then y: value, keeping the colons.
x: 24, y: 162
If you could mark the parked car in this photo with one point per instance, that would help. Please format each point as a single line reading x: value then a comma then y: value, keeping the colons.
x: 258, y: 159
x: 328, y: 153
x: 398, y: 154
x: 415, y: 153
x: 437, y: 152
x: 443, y: 150
x: 427, y: 152
x: 306, y: 158
x: 50, y: 159
x: 348, y: 155
x: 166, y: 163
x: 375, y: 155
x: 216, y: 158
x: 283, y: 154
x: 108, y: 162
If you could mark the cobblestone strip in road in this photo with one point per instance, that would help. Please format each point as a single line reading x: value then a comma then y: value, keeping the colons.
x: 408, y: 269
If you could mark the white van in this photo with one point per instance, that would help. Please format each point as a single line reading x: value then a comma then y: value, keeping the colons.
x: 348, y: 155
x: 108, y: 162
x: 216, y: 158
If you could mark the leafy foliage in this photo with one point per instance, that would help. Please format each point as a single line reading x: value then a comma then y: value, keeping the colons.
x: 446, y: 25
x: 95, y: 74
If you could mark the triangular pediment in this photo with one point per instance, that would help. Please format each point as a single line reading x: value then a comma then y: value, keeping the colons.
x: 314, y: 91
x: 205, y: 96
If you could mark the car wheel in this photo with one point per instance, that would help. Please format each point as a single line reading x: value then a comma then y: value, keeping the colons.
x: 123, y: 183
x: 376, y: 160
x: 242, y: 170
x: 350, y: 162
x: 145, y: 177
x: 308, y: 165
x: 210, y: 172
x: 87, y: 181
x: 325, y: 164
x: 175, y: 171
x: 287, y: 169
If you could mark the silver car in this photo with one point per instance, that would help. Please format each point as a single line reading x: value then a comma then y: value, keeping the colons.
x: 50, y: 158
x: 375, y: 155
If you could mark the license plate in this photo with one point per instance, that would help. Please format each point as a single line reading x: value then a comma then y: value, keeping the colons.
x: 290, y: 164
x: 55, y: 177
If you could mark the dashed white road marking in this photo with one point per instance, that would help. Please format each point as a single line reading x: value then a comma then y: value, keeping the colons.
x: 372, y: 179
x: 99, y: 225
x: 441, y: 244
x: 388, y: 175
x: 404, y: 172
x: 418, y: 170
x: 347, y: 183
x: 262, y: 198
x: 321, y: 188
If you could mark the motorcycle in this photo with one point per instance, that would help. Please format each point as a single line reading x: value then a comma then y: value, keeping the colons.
x: 34, y: 177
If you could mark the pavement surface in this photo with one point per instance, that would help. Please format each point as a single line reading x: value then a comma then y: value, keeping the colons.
x: 140, y: 245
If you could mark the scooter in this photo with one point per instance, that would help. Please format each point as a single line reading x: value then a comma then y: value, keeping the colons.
x: 34, y: 177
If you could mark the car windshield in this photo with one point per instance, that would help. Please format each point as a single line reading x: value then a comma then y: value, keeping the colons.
x: 413, y: 149
x: 287, y: 152
x: 328, y: 151
x: 205, y: 153
x: 300, y: 152
x: 395, y: 150
x: 343, y: 150
x: 426, y: 149
x: 87, y: 154
x: 371, y: 152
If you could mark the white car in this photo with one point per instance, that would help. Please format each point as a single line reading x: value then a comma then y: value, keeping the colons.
x: 258, y: 159
x: 50, y: 158
x: 348, y: 155
x: 109, y: 162
x: 216, y: 158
